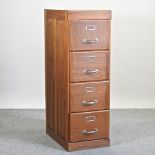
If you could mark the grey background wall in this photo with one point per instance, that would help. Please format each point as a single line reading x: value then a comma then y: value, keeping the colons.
x: 22, y: 51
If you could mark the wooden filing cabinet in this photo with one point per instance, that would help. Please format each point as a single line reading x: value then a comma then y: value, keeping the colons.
x: 77, y: 75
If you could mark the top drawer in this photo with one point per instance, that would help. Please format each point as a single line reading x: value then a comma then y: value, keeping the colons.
x: 89, y: 34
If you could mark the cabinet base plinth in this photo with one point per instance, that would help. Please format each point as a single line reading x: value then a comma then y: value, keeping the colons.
x: 78, y: 145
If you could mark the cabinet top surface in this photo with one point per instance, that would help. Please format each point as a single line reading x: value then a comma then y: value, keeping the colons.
x: 79, y: 14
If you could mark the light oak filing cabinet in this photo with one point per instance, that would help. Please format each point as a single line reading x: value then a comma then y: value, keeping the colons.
x: 77, y: 45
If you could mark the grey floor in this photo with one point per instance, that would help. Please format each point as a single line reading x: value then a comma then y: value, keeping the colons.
x: 22, y: 132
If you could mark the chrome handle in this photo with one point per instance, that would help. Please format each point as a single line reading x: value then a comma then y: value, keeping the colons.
x: 85, y: 132
x: 86, y: 103
x: 87, y: 41
x: 95, y: 71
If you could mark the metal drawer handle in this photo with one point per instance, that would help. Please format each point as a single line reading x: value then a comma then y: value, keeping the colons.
x: 85, y: 103
x: 85, y: 132
x: 95, y: 71
x: 87, y: 41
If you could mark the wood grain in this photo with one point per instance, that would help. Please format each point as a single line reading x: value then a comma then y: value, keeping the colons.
x: 56, y: 14
x: 79, y: 30
x: 57, y: 87
x: 89, y: 92
x: 49, y: 73
x: 61, y: 79
x: 68, y: 64
x: 89, y: 60
x: 89, y: 144
x: 84, y: 121
x: 89, y: 14
x: 79, y: 145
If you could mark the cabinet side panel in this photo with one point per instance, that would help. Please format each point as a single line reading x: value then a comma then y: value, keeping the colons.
x: 56, y: 75
x: 62, y: 78
x: 49, y: 72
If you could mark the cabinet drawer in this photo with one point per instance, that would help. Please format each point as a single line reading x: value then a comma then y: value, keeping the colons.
x: 89, y: 126
x: 89, y: 34
x: 89, y: 96
x: 89, y: 66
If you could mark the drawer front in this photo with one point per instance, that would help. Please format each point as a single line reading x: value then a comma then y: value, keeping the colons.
x: 89, y: 96
x: 89, y: 126
x: 89, y: 34
x: 89, y: 66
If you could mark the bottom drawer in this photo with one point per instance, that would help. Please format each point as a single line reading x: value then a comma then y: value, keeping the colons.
x: 89, y: 126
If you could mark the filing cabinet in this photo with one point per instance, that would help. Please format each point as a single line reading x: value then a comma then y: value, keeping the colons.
x: 77, y: 77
